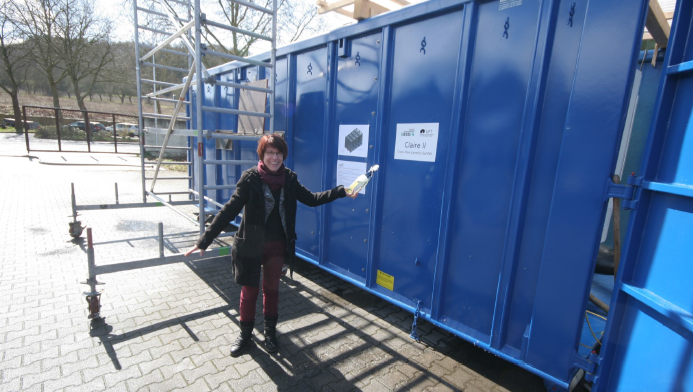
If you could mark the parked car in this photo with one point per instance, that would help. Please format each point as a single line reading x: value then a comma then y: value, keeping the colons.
x: 126, y: 129
x: 95, y: 126
x: 10, y: 122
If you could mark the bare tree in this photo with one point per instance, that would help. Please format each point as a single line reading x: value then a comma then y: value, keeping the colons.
x: 13, y: 55
x: 85, y: 48
x: 37, y: 20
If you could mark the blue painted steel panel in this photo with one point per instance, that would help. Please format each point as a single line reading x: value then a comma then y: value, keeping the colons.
x: 497, y: 237
x: 492, y: 129
x: 308, y: 137
x: 651, y: 313
x: 356, y: 100
x: 412, y: 190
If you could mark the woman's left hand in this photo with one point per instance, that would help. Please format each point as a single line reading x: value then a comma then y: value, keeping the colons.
x: 352, y: 195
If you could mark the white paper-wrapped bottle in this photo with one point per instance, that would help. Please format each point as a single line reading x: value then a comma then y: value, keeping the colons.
x: 362, y: 180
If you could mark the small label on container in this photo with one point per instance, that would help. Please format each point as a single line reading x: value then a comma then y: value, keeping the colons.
x: 509, y: 4
x: 385, y: 280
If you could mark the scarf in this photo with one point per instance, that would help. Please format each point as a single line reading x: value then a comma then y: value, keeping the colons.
x: 275, y: 180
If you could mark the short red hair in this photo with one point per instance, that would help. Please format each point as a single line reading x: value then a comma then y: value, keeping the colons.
x: 276, y: 140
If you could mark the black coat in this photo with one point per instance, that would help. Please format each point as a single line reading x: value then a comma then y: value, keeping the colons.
x: 249, y: 240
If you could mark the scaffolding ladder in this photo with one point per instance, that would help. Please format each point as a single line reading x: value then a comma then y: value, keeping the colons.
x: 188, y: 31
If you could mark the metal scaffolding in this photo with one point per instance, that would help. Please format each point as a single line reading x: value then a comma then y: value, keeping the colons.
x: 186, y: 30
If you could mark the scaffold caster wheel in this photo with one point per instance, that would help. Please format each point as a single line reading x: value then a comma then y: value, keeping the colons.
x: 76, y: 229
x: 94, y: 302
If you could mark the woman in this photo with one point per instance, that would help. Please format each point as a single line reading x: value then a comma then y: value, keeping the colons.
x: 267, y: 234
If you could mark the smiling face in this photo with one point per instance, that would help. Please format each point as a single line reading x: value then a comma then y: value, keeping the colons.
x: 273, y: 159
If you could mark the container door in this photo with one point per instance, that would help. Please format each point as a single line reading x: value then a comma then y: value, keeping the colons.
x: 306, y: 145
x: 353, y: 135
x: 418, y: 121
x: 649, y: 335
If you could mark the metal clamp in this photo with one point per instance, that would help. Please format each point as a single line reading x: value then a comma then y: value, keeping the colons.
x: 572, y: 13
x: 625, y: 192
x: 417, y: 314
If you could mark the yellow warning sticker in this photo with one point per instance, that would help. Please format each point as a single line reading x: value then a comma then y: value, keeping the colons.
x: 385, y: 280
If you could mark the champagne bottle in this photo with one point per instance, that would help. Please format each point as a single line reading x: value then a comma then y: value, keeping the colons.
x: 362, y: 180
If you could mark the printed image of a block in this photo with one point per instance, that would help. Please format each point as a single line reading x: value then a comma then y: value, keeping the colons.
x: 353, y: 140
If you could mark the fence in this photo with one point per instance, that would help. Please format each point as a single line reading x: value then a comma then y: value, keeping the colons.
x: 73, y: 127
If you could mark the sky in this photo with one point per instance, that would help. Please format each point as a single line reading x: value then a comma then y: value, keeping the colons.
x: 121, y: 12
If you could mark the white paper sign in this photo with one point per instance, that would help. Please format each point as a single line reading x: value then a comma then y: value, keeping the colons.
x: 353, y: 140
x: 417, y: 142
x: 347, y: 172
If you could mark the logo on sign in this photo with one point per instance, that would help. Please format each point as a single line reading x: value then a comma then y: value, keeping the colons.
x: 407, y: 133
x: 426, y: 133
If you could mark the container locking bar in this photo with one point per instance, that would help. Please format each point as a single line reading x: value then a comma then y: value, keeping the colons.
x: 625, y: 192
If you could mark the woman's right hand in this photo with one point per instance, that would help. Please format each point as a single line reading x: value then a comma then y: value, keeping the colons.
x: 194, y: 248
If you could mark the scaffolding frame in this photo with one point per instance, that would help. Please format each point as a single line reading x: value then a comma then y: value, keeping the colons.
x: 188, y: 31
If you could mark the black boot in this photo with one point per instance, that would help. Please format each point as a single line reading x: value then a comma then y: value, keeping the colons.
x: 271, y: 334
x: 242, y: 339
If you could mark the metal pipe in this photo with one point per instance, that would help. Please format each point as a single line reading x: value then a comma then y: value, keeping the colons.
x: 198, y: 109
x: 236, y: 29
x: 160, y: 14
x: 164, y: 67
x: 234, y: 111
x: 216, y: 187
x: 170, y: 178
x: 94, y: 207
x: 254, y: 6
x: 165, y: 99
x: 170, y: 148
x: 244, y: 87
x: 174, y: 52
x: 273, y: 60
x: 180, y: 2
x: 220, y: 162
x: 173, y: 193
x: 140, y: 119
x: 232, y: 136
x: 91, y: 263
x: 153, y: 30
x: 170, y: 39
x: 176, y: 163
x: 166, y: 90
x: 115, y: 135
x: 207, y: 198
x: 161, y: 239
x: 22, y: 125
x: 74, y: 202
x: 171, y: 207
x: 236, y: 58
x: 116, y: 193
x: 57, y: 129
x: 158, y: 82
x: 155, y: 115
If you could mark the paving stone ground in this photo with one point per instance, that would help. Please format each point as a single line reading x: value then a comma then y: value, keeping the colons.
x: 170, y: 328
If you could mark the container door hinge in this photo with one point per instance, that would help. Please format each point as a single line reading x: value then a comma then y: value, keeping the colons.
x: 626, y: 192
x: 590, y: 365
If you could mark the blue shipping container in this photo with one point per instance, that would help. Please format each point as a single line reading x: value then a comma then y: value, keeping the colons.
x: 496, y: 125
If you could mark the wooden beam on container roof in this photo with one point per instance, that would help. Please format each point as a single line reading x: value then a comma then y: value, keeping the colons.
x: 657, y: 25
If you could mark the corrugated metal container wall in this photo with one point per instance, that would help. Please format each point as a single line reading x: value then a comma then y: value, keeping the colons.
x: 496, y: 126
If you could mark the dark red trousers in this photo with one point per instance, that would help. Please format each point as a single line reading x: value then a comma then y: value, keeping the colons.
x: 272, y: 263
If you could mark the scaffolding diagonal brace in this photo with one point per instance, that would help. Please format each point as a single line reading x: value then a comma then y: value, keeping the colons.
x: 172, y: 123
